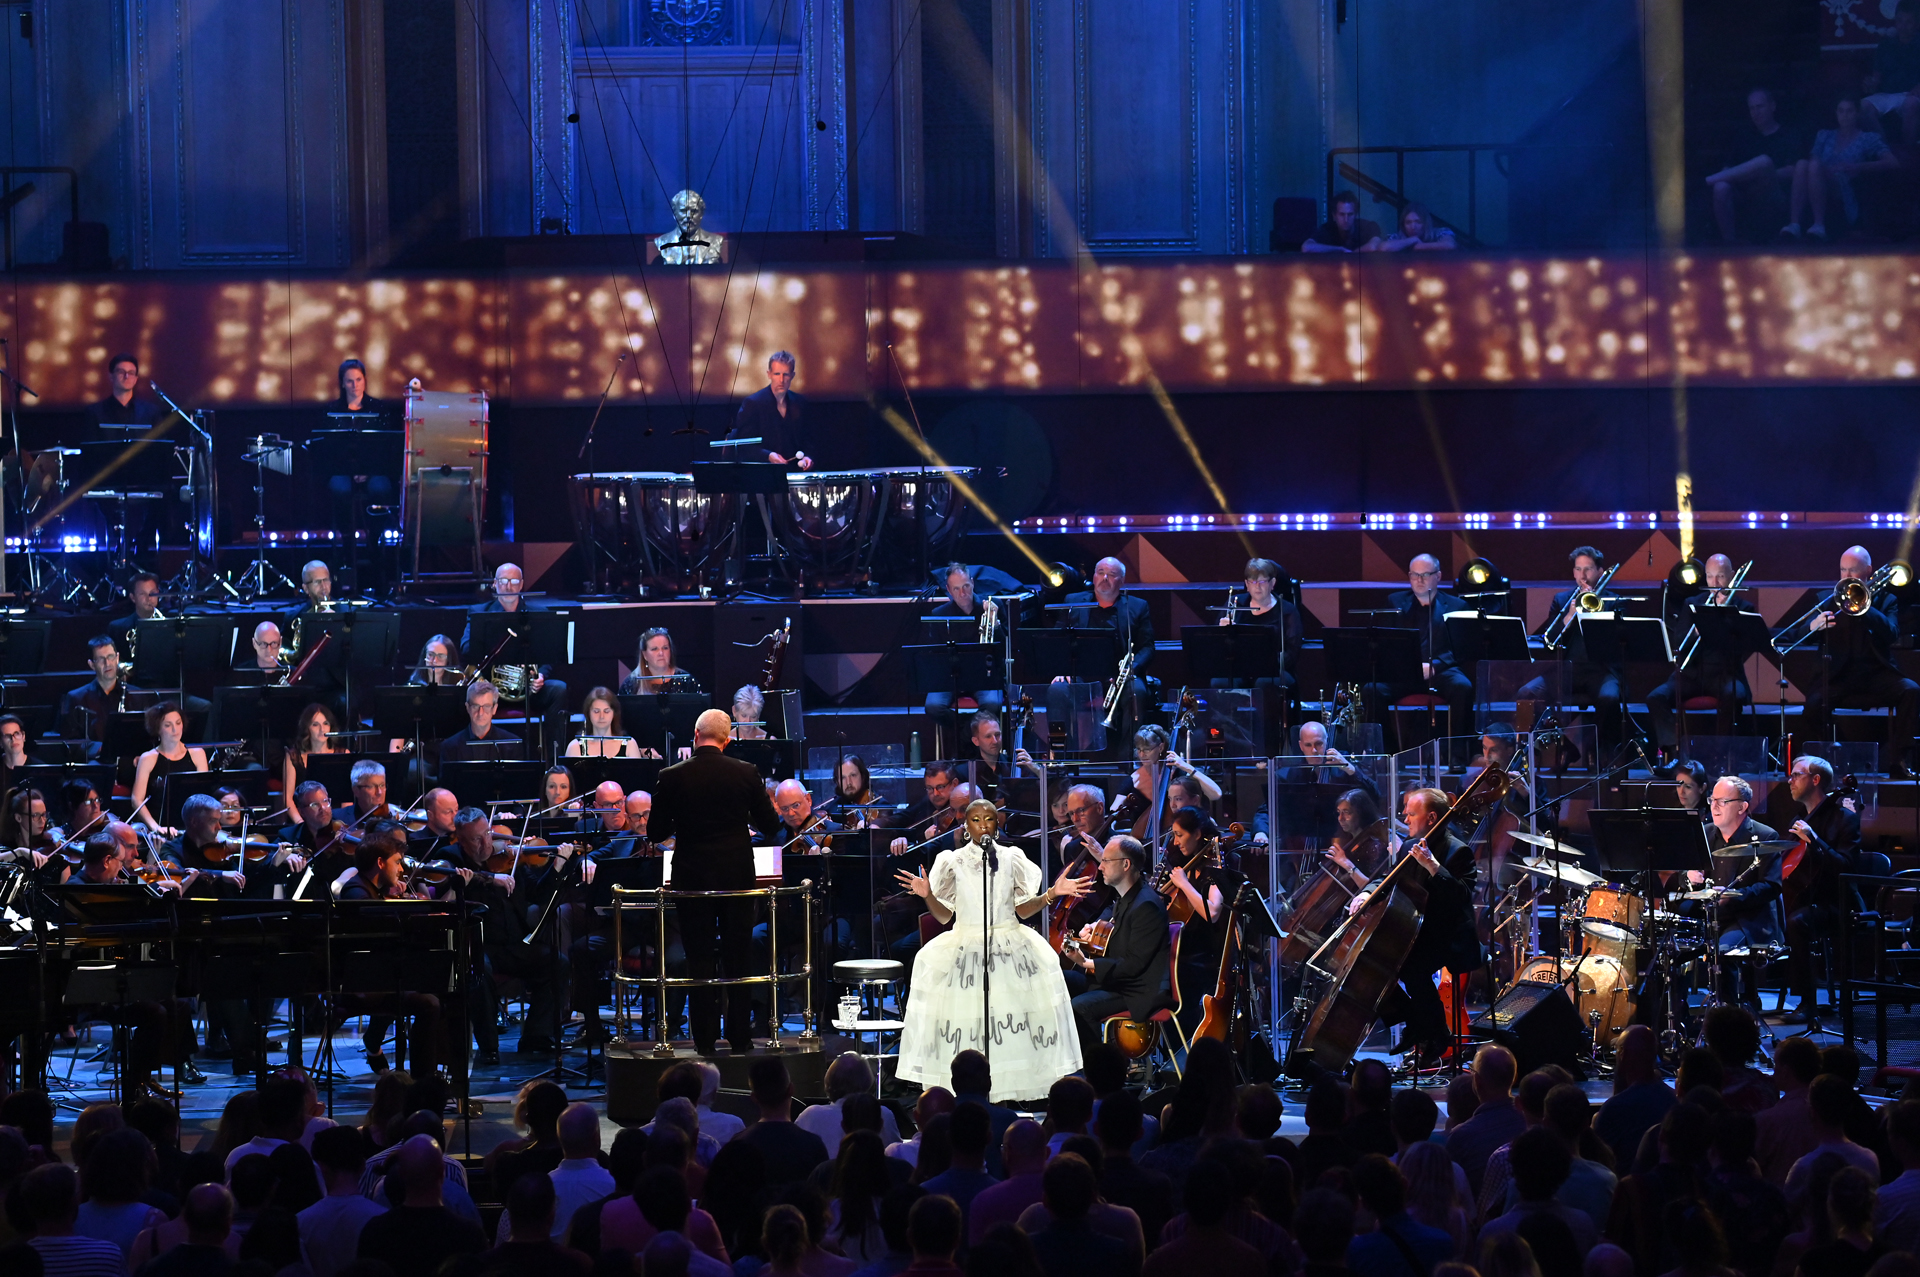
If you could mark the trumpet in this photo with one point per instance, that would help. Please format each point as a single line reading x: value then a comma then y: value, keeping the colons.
x: 1117, y: 692
x: 1691, y: 643
x: 1585, y: 601
x: 989, y: 621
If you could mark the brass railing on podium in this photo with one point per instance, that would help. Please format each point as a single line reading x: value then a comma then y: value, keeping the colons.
x: 654, y: 900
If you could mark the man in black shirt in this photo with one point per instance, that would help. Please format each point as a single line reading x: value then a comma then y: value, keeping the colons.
x: 1446, y: 938
x: 776, y: 415
x: 1588, y: 681
x: 790, y: 1152
x: 421, y: 1234
x: 1105, y: 607
x: 1814, y: 893
x: 1858, y: 671
x: 1344, y: 231
x: 1749, y: 917
x: 143, y: 598
x: 1709, y: 673
x: 1759, y: 167
x: 128, y: 432
x: 966, y: 610
x: 479, y: 741
x: 86, y: 708
x: 1894, y: 83
x: 1423, y: 608
x: 546, y: 695
x: 1131, y: 975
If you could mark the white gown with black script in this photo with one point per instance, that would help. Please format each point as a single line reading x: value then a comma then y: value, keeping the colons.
x: 1033, y: 1042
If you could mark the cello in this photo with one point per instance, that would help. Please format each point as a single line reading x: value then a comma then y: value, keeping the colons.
x: 1363, y: 958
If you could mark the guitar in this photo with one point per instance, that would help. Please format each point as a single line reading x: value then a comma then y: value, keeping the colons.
x: 1093, y: 944
x: 1216, y: 1008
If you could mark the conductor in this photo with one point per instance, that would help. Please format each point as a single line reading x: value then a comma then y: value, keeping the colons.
x: 777, y: 416
x: 708, y: 802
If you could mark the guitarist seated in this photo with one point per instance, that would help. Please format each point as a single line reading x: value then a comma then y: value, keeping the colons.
x: 1810, y: 876
x: 1130, y: 972
x: 1447, y: 936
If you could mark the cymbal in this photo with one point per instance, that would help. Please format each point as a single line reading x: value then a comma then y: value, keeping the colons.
x: 1540, y: 840
x: 1762, y: 849
x: 1705, y: 893
x: 1572, y: 875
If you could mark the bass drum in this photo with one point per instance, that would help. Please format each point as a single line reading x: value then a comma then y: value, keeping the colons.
x: 1602, y: 992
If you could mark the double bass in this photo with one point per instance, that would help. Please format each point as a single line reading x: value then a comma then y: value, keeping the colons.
x: 1363, y: 958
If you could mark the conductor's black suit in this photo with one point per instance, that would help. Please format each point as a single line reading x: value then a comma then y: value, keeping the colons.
x: 707, y: 804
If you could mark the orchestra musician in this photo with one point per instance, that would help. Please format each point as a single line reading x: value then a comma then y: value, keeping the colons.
x: 170, y: 754
x: 982, y: 759
x: 13, y: 749
x: 1131, y: 976
x: 316, y: 588
x: 442, y: 811
x: 854, y: 804
x: 1321, y: 764
x: 26, y: 834
x: 86, y: 708
x: 1709, y: 674
x: 1814, y: 893
x: 1364, y: 847
x: 1747, y: 903
x: 1447, y: 936
x: 658, y: 671
x: 1423, y: 607
x: 379, y: 872
x: 898, y: 915
x: 710, y: 804
x: 219, y: 872
x: 508, y: 947
x: 479, y: 741
x: 313, y: 734
x: 776, y: 415
x: 1260, y: 605
x: 143, y: 601
x: 1105, y: 607
x: 1859, y: 672
x: 803, y: 832
x: 122, y: 407
x: 316, y: 831
x: 1153, y: 755
x: 352, y: 493
x: 749, y: 714
x: 369, y: 793
x: 601, y: 736
x: 1198, y: 872
x: 546, y: 695
x: 265, y: 667
x: 960, y: 603
x: 85, y: 813
x: 556, y: 791
x: 1602, y: 686
x: 1690, y: 786
x: 439, y: 664
x: 606, y: 810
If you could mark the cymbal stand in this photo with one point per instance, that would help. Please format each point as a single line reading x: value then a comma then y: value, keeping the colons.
x: 261, y: 577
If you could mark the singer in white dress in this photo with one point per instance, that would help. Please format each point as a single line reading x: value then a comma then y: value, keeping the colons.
x: 1033, y: 1042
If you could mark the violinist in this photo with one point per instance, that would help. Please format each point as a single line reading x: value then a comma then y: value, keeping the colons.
x: 379, y: 873
x: 161, y: 1033
x: 639, y: 810
x: 1446, y: 938
x: 802, y: 832
x: 26, y: 832
x: 443, y: 821
x: 314, y: 826
x: 506, y: 949
x: 1080, y: 851
x: 200, y: 847
x: 932, y: 815
x: 85, y: 816
x: 13, y: 749
x: 854, y: 804
x: 313, y: 735
x: 606, y: 811
x: 369, y: 793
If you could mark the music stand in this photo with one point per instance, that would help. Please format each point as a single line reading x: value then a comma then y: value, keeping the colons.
x: 1730, y: 631
x: 656, y: 720
x: 1478, y: 636
x: 628, y: 773
x: 507, y: 780
x: 419, y: 711
x: 335, y: 771
x: 1636, y: 841
x: 958, y: 669
x: 273, y: 712
x: 113, y: 986
x: 23, y: 645
x: 1386, y: 654
x: 51, y: 780
x: 1241, y: 653
x: 524, y: 638
x: 1084, y: 656
x: 177, y: 787
x: 1611, y: 639
x: 774, y: 759
x: 125, y: 736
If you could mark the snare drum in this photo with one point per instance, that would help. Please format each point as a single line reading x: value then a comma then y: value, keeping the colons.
x: 1602, y: 987
x: 1610, y: 922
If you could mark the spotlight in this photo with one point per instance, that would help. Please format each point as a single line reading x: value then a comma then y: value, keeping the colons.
x: 1687, y: 575
x: 1480, y: 578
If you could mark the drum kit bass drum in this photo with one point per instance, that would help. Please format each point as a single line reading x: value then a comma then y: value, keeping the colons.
x: 844, y: 527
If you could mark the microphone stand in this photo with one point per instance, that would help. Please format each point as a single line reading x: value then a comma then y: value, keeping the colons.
x: 587, y: 451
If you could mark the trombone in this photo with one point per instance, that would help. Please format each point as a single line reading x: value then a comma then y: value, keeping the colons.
x: 1583, y: 601
x: 1691, y: 643
x: 1852, y: 596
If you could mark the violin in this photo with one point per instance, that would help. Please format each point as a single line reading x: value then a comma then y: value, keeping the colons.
x: 1179, y: 907
x: 813, y: 843
x: 427, y: 873
x: 511, y: 852
x: 251, y: 848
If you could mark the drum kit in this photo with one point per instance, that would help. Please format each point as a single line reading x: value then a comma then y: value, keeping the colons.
x: 655, y: 529
x: 1619, y: 934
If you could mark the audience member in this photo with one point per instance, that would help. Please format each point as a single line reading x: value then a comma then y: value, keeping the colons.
x: 1202, y: 1109
x: 1496, y: 1119
x: 1896, y: 1216
x: 936, y: 1149
x: 206, y: 1245
x: 894, y: 1210
x: 791, y: 1153
x: 420, y: 1232
x: 1414, y: 1116
x: 330, y: 1228
x: 659, y: 1204
x: 1853, y: 1248
x: 48, y: 1204
x: 1752, y: 1212
x: 273, y: 1244
x: 1068, y: 1246
x: 1106, y: 1073
x: 1759, y: 168
x: 1640, y: 1097
x: 1123, y: 1181
x: 932, y: 1102
x: 933, y: 1235
x: 1325, y: 1144
x: 1206, y: 1245
x: 1541, y: 1164
x: 1024, y: 1152
x: 1828, y: 1100
x: 1436, y: 1192
x: 847, y: 1075
x: 1734, y: 1036
x: 536, y: 1110
x: 860, y: 1182
x: 1784, y: 1132
x: 1103, y: 1216
x: 1507, y: 1255
x: 1397, y: 1245
x: 1069, y: 1109
x: 1531, y: 1098
x: 114, y: 1179
x: 1892, y: 87
x: 966, y: 1176
x: 1324, y: 1228
x: 1637, y: 1222
x: 1568, y: 1113
x: 1344, y: 231
x: 1369, y: 1125
x: 529, y: 1248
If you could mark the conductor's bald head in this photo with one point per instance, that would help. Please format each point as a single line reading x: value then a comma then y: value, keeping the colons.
x: 713, y: 727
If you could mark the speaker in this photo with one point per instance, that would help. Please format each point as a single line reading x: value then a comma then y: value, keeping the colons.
x: 1538, y: 1023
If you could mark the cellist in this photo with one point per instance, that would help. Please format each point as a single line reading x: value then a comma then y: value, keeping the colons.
x: 1447, y: 936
